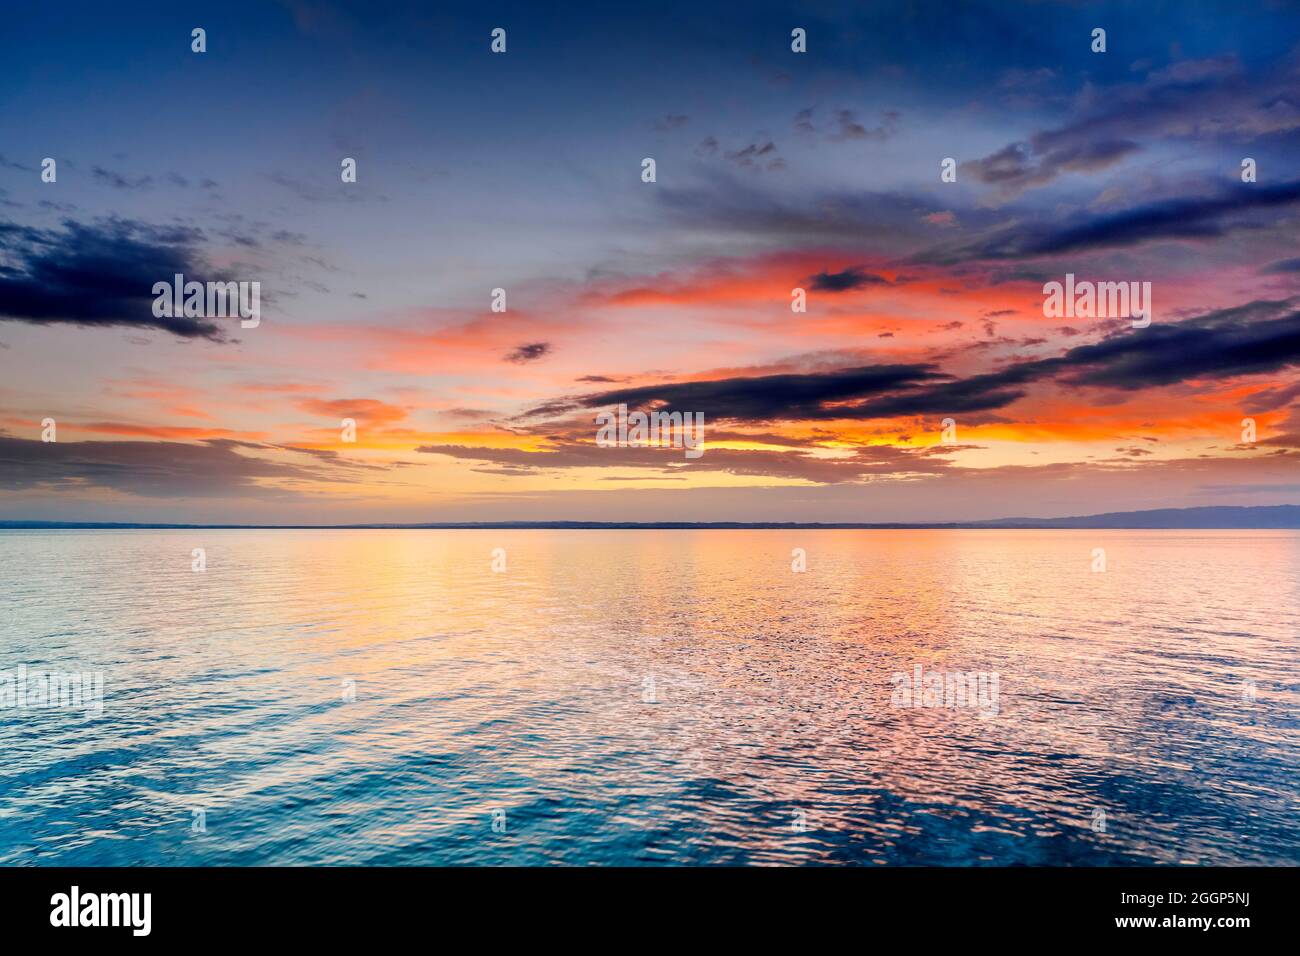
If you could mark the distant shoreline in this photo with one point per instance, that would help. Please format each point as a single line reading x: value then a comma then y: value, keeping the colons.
x: 1271, y: 517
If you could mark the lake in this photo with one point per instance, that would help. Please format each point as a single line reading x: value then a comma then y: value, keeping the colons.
x: 630, y: 697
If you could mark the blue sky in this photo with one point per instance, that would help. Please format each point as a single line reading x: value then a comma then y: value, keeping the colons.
x: 522, y: 171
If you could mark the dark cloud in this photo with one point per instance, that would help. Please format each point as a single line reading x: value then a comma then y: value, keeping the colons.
x: 477, y: 414
x: 848, y: 127
x: 529, y: 353
x: 1261, y: 337
x: 1283, y: 267
x: 978, y: 393
x: 1176, y: 218
x: 931, y: 476
x: 864, y: 462
x: 1252, y: 339
x: 158, y: 469
x: 1210, y: 99
x: 1269, y: 399
x: 1016, y: 167
x: 1243, y: 207
x: 756, y: 155
x: 1256, y: 338
x: 99, y: 274
x: 327, y: 455
x: 771, y: 397
x: 853, y: 277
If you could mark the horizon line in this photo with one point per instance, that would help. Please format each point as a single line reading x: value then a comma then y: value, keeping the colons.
x: 1285, y: 517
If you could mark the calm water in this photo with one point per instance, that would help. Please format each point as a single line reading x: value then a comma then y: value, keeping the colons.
x: 652, y: 697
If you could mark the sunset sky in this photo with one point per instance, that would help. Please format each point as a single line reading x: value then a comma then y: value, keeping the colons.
x: 522, y: 171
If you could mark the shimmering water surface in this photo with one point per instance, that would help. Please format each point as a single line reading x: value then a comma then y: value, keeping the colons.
x: 652, y: 697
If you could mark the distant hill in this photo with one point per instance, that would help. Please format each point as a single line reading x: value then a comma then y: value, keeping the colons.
x: 1272, y: 516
